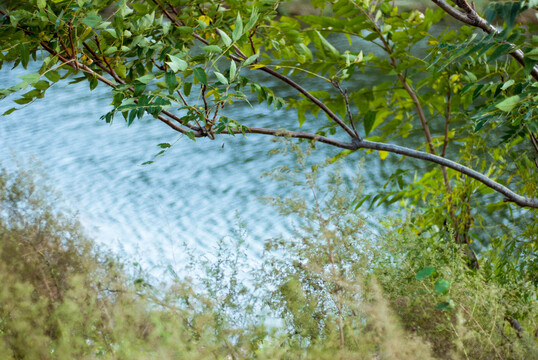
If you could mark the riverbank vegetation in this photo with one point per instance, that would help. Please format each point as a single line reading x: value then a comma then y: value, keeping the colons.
x: 335, y: 289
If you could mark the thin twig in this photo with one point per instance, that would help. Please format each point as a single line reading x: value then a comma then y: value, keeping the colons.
x: 252, y: 47
x: 95, y: 58
x: 111, y: 71
x: 343, y: 92
x: 208, y: 123
x: 534, y: 140
x: 217, y: 109
x: 182, y: 98
x: 73, y: 55
x: 62, y: 44
x: 445, y: 140
x: 447, y: 120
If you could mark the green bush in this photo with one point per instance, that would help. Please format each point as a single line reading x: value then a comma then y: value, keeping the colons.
x: 399, y: 293
x: 64, y: 298
x: 336, y: 289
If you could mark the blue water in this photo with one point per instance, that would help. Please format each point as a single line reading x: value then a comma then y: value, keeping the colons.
x: 192, y: 195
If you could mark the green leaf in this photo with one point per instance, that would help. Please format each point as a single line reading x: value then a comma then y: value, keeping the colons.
x: 507, y: 84
x: 23, y: 101
x: 501, y: 50
x: 140, y: 8
x: 24, y: 54
x: 92, y: 20
x: 212, y: 49
x: 238, y: 29
x: 139, y: 89
x: 41, y: 4
x: 171, y: 81
x: 225, y: 38
x: 187, y: 88
x: 185, y: 29
x: 53, y: 76
x: 533, y: 54
x: 200, y: 74
x: 111, y: 50
x: 251, y: 59
x: 327, y: 45
x: 121, y: 70
x: 9, y: 111
x: 253, y: 19
x: 369, y: 121
x: 41, y: 85
x: 233, y: 70
x: 472, y: 77
x: 221, y: 78
x: 371, y: 36
x: 32, y: 77
x: 341, y: 155
x: 301, y: 117
x: 145, y: 79
x: 93, y: 83
x: 424, y: 273
x: 132, y: 116
x: 164, y: 145
x: 176, y: 64
x: 508, y: 104
x: 441, y: 286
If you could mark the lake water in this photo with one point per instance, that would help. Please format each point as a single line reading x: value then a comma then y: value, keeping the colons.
x: 194, y: 194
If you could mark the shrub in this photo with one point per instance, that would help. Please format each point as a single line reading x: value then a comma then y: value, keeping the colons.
x: 336, y: 289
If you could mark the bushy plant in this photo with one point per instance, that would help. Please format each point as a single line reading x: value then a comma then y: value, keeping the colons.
x: 462, y: 312
x: 64, y: 298
x: 403, y: 289
x: 338, y: 288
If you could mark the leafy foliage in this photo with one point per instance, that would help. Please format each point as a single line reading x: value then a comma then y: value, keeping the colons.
x: 156, y: 56
x: 335, y: 288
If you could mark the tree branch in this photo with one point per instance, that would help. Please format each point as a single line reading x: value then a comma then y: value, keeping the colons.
x: 104, y: 80
x: 111, y: 72
x: 275, y: 74
x: 356, y: 144
x: 407, y: 87
x: 469, y: 16
x: 343, y: 92
x: 510, y: 196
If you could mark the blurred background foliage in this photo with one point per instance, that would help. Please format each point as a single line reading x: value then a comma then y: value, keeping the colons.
x: 335, y: 289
